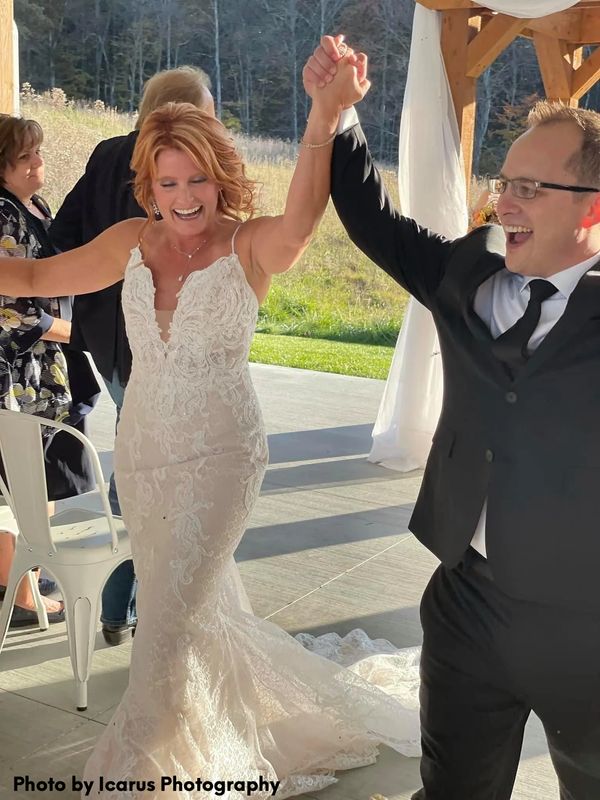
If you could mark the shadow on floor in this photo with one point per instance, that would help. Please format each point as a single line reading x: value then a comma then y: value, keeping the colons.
x: 346, y: 440
x: 324, y: 474
x: 293, y: 537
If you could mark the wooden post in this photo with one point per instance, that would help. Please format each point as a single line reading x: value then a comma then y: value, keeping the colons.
x: 556, y: 67
x: 587, y: 74
x: 7, y: 87
x: 458, y: 29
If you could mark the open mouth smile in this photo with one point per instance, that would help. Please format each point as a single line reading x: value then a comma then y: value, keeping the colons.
x: 517, y: 234
x: 187, y: 213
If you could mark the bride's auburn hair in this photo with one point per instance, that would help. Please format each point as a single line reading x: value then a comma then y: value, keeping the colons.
x: 205, y: 140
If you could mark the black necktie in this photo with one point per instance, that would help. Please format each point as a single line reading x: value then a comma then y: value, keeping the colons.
x: 511, y: 346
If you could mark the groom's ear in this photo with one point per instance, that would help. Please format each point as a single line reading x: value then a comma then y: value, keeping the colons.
x: 592, y: 216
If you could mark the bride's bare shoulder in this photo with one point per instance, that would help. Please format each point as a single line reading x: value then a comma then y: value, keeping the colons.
x: 128, y: 231
x: 122, y: 237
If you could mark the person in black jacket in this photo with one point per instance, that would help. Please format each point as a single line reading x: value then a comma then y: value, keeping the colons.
x: 102, y: 197
x: 509, y: 501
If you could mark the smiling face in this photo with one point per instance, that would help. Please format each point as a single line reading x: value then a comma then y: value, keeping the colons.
x: 25, y: 176
x: 546, y: 234
x: 186, y: 198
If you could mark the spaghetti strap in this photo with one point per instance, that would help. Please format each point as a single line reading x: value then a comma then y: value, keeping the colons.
x: 141, y: 231
x: 233, y: 253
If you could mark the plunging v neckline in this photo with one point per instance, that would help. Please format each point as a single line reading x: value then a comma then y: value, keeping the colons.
x: 166, y: 343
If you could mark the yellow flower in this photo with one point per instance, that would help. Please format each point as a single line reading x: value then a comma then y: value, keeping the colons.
x: 58, y: 375
x: 9, y: 319
x: 9, y: 247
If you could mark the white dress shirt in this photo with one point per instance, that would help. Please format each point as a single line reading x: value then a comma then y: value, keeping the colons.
x: 501, y: 300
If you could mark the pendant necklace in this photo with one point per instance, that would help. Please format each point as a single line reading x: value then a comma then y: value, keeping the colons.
x: 189, y: 256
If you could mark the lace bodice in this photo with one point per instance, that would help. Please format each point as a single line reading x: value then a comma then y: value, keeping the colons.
x: 201, y: 366
x: 213, y: 302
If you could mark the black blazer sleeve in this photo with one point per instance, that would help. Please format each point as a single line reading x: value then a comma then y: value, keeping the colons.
x: 413, y: 256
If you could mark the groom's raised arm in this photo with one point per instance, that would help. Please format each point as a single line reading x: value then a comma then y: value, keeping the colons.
x: 415, y: 257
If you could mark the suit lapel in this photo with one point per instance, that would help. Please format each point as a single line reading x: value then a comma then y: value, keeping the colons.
x: 583, y: 304
x: 485, y: 268
x: 476, y: 258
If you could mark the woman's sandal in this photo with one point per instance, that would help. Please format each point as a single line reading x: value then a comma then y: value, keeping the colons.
x: 24, y: 617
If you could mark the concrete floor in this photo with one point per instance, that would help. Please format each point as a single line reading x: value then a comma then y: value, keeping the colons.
x: 328, y: 549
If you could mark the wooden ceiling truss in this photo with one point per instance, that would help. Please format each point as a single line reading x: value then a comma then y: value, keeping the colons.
x: 473, y: 37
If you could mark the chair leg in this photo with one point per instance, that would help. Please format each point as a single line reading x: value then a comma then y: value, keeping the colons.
x: 81, y: 609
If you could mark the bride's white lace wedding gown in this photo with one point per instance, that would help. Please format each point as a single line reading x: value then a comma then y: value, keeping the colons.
x: 214, y: 692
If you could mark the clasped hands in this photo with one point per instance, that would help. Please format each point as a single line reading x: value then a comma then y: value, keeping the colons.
x: 335, y: 75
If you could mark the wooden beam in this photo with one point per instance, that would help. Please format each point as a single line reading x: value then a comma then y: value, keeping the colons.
x: 575, y: 57
x: 7, y: 87
x: 587, y: 75
x: 555, y: 67
x: 495, y: 37
x: 590, y: 27
x: 458, y: 29
x: 449, y: 5
x: 564, y: 25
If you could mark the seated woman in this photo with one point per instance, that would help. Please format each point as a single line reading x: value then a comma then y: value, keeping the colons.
x: 33, y: 363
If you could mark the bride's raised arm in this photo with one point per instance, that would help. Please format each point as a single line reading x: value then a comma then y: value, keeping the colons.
x: 86, y: 269
x: 278, y: 242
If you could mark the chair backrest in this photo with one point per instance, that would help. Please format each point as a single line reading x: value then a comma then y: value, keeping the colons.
x: 26, y: 492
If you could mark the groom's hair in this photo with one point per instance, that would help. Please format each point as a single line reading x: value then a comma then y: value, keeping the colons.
x: 585, y: 163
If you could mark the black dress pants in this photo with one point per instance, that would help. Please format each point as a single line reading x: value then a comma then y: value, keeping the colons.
x: 488, y: 660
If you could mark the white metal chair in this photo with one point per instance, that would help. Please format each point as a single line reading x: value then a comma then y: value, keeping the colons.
x: 80, y: 548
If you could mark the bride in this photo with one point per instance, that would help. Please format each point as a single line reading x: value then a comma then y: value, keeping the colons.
x: 219, y: 702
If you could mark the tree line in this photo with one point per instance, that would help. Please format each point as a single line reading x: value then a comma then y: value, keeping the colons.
x: 253, y: 52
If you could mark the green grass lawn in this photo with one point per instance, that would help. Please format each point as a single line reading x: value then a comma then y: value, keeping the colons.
x: 363, y: 360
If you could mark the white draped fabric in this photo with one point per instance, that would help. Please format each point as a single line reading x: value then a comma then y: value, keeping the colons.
x: 432, y: 191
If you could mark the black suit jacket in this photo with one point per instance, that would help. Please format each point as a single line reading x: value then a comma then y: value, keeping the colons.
x: 102, y: 197
x: 530, y: 444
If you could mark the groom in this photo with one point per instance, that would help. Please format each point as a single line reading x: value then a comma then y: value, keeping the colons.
x: 510, y: 500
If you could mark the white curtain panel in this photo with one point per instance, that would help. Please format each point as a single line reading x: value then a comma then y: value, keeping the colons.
x: 432, y: 191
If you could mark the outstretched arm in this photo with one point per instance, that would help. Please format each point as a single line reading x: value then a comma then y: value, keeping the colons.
x: 86, y: 269
x: 413, y: 256
x: 278, y: 242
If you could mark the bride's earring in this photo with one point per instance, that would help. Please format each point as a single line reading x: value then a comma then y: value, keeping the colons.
x: 156, y: 210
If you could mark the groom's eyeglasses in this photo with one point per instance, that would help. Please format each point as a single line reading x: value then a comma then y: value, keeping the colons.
x: 526, y: 188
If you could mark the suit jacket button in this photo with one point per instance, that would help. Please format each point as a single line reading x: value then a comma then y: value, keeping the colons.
x: 511, y: 397
x: 489, y: 456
